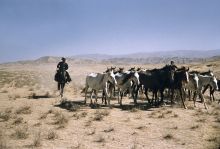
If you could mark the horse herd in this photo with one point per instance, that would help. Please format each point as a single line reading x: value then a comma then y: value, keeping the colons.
x: 137, y: 81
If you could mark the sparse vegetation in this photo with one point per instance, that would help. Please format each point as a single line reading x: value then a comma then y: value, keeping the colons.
x: 161, y: 115
x: 3, y: 140
x: 4, y: 116
x: 134, y: 110
x: 179, y: 128
x: 21, y: 132
x: 175, y: 115
x: 60, y: 119
x: 168, y: 137
x: 110, y: 129
x: 24, y: 110
x: 100, y: 139
x: 91, y: 132
x: 195, y: 127
x: 18, y: 120
x: 141, y: 127
x: 99, y: 114
x: 51, y: 135
x: 43, y: 116
x: 37, y: 139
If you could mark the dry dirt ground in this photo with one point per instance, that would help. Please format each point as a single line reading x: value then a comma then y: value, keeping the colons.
x: 33, y: 116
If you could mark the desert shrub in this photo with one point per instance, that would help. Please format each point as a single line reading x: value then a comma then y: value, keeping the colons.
x: 60, y: 119
x: 168, y: 137
x: 100, y: 139
x: 4, y: 116
x: 51, y: 135
x: 24, y: 110
x: 3, y: 140
x: 17, y: 121
x: 37, y: 139
x: 21, y: 132
x: 99, y: 114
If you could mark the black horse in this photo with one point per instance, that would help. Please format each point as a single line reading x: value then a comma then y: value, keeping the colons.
x: 61, y: 78
x: 181, y: 77
x: 156, y: 80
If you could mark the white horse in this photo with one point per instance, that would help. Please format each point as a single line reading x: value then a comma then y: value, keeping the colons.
x: 205, y: 80
x: 99, y: 81
x: 193, y: 85
x: 125, y: 81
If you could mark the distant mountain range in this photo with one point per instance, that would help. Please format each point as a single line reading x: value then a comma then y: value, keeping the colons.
x: 162, y: 54
x: 180, y: 56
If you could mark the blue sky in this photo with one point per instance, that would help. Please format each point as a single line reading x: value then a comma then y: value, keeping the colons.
x: 33, y: 28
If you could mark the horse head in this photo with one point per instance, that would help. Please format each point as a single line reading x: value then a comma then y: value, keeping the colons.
x: 111, y: 77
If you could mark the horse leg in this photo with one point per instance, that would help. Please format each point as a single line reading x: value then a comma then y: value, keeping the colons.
x: 86, y: 89
x: 202, y: 98
x: 212, y: 93
x: 102, y: 97
x: 106, y: 95
x: 181, y: 96
x: 162, y: 96
x: 146, y: 94
x: 120, y: 97
x: 172, y: 95
x: 212, y: 98
x: 189, y: 92
x: 194, y: 98
x: 58, y: 86
x: 96, y: 97
x: 133, y: 91
x: 91, y: 97
x: 62, y: 88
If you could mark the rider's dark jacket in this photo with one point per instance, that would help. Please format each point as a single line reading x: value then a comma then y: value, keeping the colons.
x: 63, y: 66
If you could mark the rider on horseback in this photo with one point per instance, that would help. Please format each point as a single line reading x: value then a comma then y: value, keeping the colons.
x: 173, y: 66
x: 62, y: 69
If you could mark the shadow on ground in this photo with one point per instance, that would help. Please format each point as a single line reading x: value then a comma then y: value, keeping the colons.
x: 79, y: 104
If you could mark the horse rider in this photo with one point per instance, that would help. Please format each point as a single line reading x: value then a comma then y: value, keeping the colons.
x: 62, y: 67
x: 173, y: 66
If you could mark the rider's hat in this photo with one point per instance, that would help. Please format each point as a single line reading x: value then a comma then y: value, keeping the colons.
x: 63, y: 59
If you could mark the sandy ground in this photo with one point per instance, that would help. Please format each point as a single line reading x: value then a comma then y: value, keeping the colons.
x: 46, y: 122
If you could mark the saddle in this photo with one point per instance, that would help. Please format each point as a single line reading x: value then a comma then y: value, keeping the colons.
x: 62, y: 76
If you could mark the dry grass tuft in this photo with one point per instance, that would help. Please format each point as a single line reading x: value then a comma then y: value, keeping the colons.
x: 43, y: 116
x: 99, y: 114
x: 21, y: 132
x: 168, y: 137
x: 161, y: 115
x: 88, y: 123
x: 218, y: 119
x: 169, y: 112
x: 91, y: 132
x: 51, y: 135
x: 175, y: 128
x: 4, y: 91
x: 100, y: 139
x: 134, y: 110
x: 195, y: 127
x: 37, y: 124
x: 3, y: 140
x: 141, y: 127
x: 24, y: 110
x: 37, y: 139
x: 110, y: 129
x: 202, y: 120
x: 60, y: 119
x: 17, y: 121
x: 4, y: 116
x: 175, y: 115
